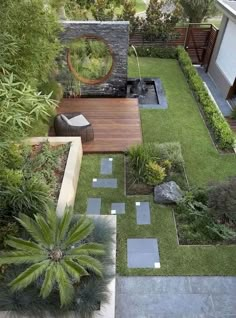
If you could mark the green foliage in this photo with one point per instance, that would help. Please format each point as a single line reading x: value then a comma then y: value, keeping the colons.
x: 58, y: 253
x: 103, y: 10
x: 220, y: 128
x: 128, y: 13
x: 8, y: 228
x: 159, y: 22
x: 197, y: 10
x: 52, y: 88
x: 138, y: 159
x: 222, y: 201
x: 154, y: 174
x: 31, y: 29
x: 21, y: 106
x: 195, y: 224
x: 155, y: 51
x: 90, y: 58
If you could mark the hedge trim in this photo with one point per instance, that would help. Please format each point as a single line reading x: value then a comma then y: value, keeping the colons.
x: 220, y: 128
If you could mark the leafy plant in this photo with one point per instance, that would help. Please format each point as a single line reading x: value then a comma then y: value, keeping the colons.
x: 222, y: 201
x: 154, y: 173
x: 155, y: 51
x: 24, y: 194
x: 138, y: 159
x: 197, y: 10
x: 21, y: 106
x: 58, y: 253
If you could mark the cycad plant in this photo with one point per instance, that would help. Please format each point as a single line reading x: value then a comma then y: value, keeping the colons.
x: 58, y: 253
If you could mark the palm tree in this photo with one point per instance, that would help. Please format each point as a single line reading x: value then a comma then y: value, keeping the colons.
x: 58, y: 252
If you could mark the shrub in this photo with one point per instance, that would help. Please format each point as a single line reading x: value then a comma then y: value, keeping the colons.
x: 220, y: 128
x: 170, y: 151
x: 21, y: 106
x: 24, y: 194
x: 222, y: 201
x: 154, y: 173
x: 138, y: 159
x: 52, y: 87
x: 155, y: 51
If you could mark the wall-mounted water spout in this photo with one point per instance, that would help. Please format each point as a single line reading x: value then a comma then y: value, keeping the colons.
x: 138, y: 88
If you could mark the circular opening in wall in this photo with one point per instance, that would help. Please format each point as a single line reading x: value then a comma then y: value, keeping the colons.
x: 90, y: 59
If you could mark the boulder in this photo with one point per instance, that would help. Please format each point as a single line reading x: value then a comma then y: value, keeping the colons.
x: 168, y: 192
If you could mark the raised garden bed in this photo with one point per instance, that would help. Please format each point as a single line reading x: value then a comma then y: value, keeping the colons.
x: 66, y: 196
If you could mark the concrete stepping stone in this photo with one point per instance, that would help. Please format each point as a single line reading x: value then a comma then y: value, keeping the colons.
x: 94, y: 206
x: 106, y: 166
x: 143, y: 253
x: 105, y: 183
x: 143, y: 215
x: 118, y: 208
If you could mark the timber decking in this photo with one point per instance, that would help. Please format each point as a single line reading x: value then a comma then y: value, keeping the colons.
x: 232, y: 123
x: 116, y: 122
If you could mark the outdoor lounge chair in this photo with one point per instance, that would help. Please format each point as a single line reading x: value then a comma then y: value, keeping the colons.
x: 73, y: 124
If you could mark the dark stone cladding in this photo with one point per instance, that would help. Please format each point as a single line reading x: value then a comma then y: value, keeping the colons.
x: 116, y: 35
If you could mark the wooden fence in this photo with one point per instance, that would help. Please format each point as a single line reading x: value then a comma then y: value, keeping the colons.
x: 198, y: 39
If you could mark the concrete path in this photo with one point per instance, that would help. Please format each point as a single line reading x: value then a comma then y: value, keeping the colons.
x: 176, y: 297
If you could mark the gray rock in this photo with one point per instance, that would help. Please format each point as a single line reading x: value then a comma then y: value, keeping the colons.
x: 168, y: 192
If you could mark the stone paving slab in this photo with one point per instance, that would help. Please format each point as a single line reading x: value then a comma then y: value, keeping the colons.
x: 118, y: 208
x: 143, y: 213
x: 143, y: 253
x: 104, y: 183
x: 176, y: 297
x: 106, y: 166
x: 93, y: 206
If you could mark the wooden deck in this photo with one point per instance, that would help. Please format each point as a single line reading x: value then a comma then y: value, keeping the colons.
x: 116, y: 122
x: 232, y: 123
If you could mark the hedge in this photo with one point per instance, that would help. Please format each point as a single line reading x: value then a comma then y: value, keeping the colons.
x: 154, y: 51
x: 220, y: 128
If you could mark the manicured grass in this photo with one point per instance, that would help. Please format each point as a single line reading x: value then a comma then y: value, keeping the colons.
x: 180, y: 122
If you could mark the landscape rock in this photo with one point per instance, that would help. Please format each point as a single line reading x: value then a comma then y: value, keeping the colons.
x: 168, y: 192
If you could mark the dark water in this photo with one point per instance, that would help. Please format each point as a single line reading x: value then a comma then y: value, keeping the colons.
x: 150, y: 98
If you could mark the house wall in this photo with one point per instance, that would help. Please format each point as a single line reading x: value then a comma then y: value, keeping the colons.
x: 222, y: 69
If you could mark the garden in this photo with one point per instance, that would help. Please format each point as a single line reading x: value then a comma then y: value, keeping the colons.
x: 62, y: 263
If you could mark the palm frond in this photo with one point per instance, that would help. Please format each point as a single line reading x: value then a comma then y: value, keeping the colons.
x: 24, y: 245
x: 45, y: 229
x: 29, y: 275
x: 48, y: 282
x: 90, y: 263
x: 20, y: 257
x: 66, y: 289
x: 80, y: 232
x: 52, y: 222
x: 74, y: 269
x: 88, y: 249
x: 64, y: 224
x: 32, y: 228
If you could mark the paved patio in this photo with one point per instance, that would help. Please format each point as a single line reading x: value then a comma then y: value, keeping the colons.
x: 176, y: 297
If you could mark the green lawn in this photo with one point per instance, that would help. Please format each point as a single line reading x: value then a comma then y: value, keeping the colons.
x: 140, y: 6
x: 180, y: 122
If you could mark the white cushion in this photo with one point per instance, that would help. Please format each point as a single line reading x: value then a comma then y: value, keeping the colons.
x: 79, y: 120
x: 65, y: 119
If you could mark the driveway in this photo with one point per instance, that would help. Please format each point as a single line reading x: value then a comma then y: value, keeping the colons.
x: 176, y: 297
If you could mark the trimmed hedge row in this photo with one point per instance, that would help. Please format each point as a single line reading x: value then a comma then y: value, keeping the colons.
x: 154, y: 51
x: 222, y: 132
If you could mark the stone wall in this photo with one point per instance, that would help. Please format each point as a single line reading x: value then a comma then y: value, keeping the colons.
x: 116, y: 35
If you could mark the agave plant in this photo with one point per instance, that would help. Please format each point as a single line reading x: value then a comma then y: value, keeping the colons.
x: 58, y: 252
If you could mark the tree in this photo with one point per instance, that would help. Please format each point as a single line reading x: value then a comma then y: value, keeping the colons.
x: 197, y: 10
x: 58, y: 253
x: 161, y: 19
x: 32, y: 30
x: 129, y: 14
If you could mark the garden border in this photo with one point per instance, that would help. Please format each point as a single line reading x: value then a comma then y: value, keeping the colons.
x: 72, y: 170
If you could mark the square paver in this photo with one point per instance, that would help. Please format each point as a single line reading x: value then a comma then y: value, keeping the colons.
x: 143, y: 253
x: 118, y: 208
x: 93, y: 206
x: 143, y: 215
x: 106, y: 166
x: 105, y: 183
